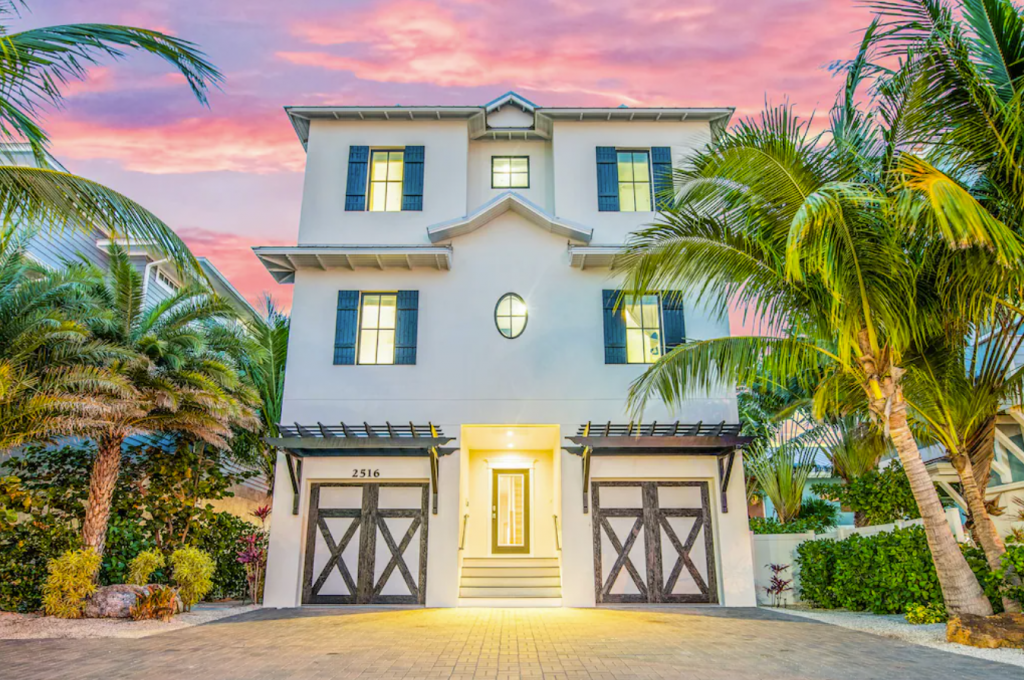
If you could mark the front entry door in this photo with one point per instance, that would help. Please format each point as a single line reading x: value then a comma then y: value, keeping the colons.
x: 366, y: 543
x: 510, y: 512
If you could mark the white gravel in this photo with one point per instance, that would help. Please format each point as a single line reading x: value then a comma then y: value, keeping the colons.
x: 895, y: 626
x: 35, y: 626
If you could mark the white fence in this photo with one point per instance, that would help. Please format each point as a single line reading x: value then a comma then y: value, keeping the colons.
x: 781, y: 549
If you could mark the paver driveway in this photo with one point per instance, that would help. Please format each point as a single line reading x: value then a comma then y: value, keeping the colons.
x: 674, y: 642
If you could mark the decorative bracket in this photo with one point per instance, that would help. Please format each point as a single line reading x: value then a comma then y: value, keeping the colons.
x: 434, y: 465
x: 585, y: 458
x: 725, y: 462
x: 295, y: 474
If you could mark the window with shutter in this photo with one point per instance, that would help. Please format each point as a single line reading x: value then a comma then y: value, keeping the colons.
x: 412, y: 182
x: 406, y: 327
x: 673, y: 323
x: 661, y: 166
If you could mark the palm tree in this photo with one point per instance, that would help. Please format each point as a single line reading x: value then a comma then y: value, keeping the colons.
x: 265, y: 371
x: 966, y: 59
x: 35, y: 67
x: 817, y: 235
x: 186, y: 377
x: 53, y: 379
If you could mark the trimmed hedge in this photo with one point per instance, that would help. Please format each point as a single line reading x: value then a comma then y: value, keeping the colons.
x: 884, y: 573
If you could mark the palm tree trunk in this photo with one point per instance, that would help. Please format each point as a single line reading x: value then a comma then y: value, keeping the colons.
x: 984, y: 529
x: 960, y: 588
x: 981, y: 447
x: 101, y: 492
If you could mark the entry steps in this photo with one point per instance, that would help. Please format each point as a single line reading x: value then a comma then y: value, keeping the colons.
x: 510, y: 582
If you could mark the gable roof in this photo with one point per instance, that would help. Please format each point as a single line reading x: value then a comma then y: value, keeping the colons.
x: 501, y: 204
x: 513, y: 98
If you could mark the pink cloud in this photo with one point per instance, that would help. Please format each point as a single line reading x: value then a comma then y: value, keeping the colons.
x: 232, y: 255
x: 257, y: 145
x: 722, y: 53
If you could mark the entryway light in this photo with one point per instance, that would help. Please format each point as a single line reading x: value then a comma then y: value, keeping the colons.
x: 509, y: 433
x: 510, y: 445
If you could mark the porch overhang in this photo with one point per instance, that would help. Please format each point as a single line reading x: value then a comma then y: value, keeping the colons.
x: 282, y: 262
x: 499, y: 205
x: 324, y: 441
x: 594, y: 256
x: 720, y: 440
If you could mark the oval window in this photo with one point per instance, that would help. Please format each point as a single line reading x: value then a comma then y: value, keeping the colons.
x: 510, y: 315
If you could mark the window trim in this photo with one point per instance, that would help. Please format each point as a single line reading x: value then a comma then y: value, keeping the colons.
x: 359, y: 328
x: 650, y: 182
x: 369, y: 178
x: 661, y: 332
x: 509, y: 188
x: 526, y: 315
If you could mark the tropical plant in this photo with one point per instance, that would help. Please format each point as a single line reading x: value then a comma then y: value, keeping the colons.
x: 777, y: 586
x: 53, y: 380
x: 876, y: 497
x: 36, y: 66
x: 72, y: 578
x: 192, y: 570
x: 782, y: 475
x: 158, y: 602
x: 186, y: 381
x: 143, y: 565
x: 263, y: 368
x: 918, y: 614
x: 836, y: 241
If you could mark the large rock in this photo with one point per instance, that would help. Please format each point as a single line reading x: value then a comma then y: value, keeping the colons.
x: 989, y: 632
x: 116, y: 602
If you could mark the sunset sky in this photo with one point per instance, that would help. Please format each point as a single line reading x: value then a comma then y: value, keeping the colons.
x: 230, y: 177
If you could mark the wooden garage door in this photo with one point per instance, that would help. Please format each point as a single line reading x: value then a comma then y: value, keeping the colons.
x: 653, y: 542
x: 366, y: 544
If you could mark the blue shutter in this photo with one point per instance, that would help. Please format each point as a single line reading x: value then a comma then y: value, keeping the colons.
x: 355, y: 190
x: 346, y: 327
x: 406, y: 325
x: 412, y: 179
x: 661, y: 166
x: 673, y: 329
x: 607, y: 179
x: 614, y: 329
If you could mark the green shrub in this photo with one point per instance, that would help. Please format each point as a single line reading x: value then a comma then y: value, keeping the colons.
x: 883, y: 574
x: 192, y: 570
x: 1014, y: 559
x: 219, y: 537
x: 71, y: 579
x: 878, y: 497
x: 143, y: 566
x: 918, y: 614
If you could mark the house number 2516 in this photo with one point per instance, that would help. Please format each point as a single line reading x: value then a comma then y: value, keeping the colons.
x: 364, y: 472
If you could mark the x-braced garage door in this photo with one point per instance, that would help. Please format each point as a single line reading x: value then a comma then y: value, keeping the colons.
x: 653, y: 543
x: 366, y: 544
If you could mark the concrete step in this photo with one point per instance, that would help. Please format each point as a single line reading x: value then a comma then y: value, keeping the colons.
x: 511, y: 581
x: 519, y: 602
x: 510, y: 562
x: 509, y: 572
x: 510, y: 592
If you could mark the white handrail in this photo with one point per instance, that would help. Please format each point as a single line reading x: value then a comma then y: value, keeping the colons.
x: 558, y: 541
x: 462, y: 539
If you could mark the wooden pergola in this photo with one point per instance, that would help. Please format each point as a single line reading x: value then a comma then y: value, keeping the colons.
x: 320, y: 440
x: 660, y: 439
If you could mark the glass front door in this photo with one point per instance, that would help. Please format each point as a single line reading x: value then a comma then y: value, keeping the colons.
x: 510, y: 511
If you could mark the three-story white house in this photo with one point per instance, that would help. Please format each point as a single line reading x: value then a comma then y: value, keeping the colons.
x: 454, y: 429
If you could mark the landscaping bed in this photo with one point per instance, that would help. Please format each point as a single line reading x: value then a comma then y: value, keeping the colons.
x: 895, y: 626
x: 36, y: 626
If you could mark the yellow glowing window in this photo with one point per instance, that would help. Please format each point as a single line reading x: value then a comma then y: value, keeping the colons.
x: 634, y: 181
x: 510, y: 172
x: 377, y: 328
x: 643, y: 329
x: 386, y: 181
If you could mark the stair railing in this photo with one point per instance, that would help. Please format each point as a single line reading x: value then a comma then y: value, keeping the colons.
x: 462, y: 539
x: 558, y: 541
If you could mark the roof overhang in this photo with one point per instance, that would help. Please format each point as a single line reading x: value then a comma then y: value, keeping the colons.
x: 283, y: 261
x: 661, y: 446
x: 501, y: 204
x: 628, y: 114
x: 592, y: 257
x: 300, y: 116
x: 224, y: 288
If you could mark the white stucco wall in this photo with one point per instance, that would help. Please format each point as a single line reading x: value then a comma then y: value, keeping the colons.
x: 541, y: 190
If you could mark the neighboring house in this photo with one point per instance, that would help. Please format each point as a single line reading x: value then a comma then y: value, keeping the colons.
x: 160, y: 280
x: 460, y: 361
x: 1006, y: 483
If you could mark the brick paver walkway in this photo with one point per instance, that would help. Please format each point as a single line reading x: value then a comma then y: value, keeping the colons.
x: 496, y: 643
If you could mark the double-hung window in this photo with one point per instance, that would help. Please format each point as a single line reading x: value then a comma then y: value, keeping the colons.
x: 643, y: 328
x: 634, y: 181
x: 377, y: 323
x: 386, y: 174
x: 510, y: 172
